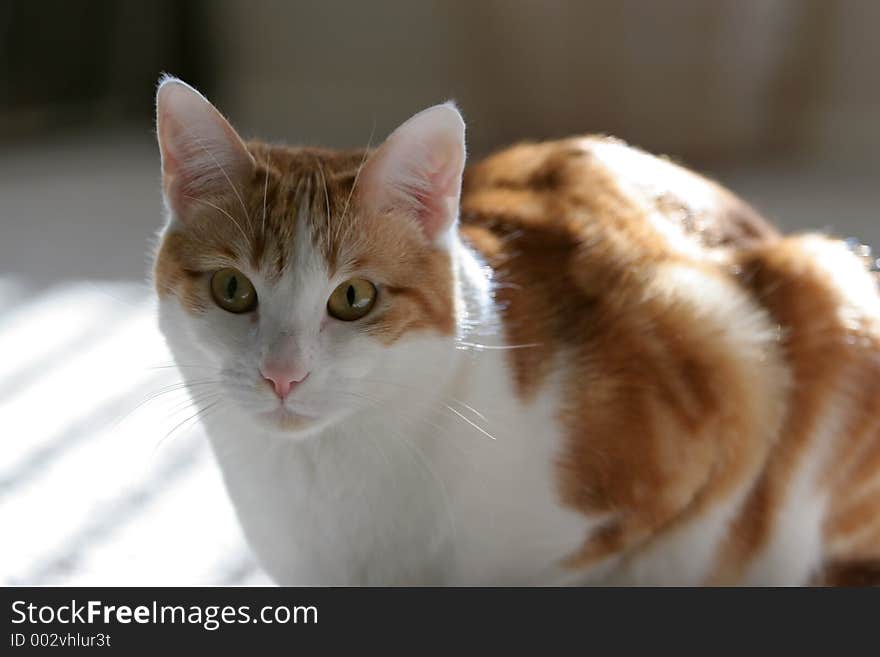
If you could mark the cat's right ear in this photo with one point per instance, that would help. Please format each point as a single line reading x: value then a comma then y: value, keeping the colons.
x: 202, y: 155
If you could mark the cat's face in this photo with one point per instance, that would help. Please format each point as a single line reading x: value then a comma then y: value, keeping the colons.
x: 299, y: 286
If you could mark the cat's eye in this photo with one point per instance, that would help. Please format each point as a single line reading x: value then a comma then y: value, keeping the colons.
x: 232, y: 291
x: 352, y: 299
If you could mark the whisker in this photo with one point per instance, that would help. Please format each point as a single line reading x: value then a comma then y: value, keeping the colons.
x: 177, y: 366
x: 174, y: 387
x: 422, y: 419
x: 165, y: 390
x: 473, y: 424
x: 219, y: 209
x: 194, y: 400
x: 354, y: 183
x: 201, y: 143
x: 449, y: 398
x: 378, y: 447
x: 200, y: 412
x: 265, y: 192
x: 470, y: 408
x: 491, y: 347
x: 419, y: 453
x: 132, y: 411
x: 324, y: 185
x: 103, y: 290
x: 377, y: 404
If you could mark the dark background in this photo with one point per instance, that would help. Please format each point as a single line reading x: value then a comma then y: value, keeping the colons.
x: 707, y: 81
x: 778, y: 98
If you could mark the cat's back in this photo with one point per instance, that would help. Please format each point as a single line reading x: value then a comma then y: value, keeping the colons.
x: 579, y: 232
x: 601, y: 181
x: 714, y: 370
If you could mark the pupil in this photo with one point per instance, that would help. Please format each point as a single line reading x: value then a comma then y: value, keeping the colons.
x: 231, y: 287
x: 349, y: 295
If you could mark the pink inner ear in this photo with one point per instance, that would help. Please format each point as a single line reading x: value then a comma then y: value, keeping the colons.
x: 418, y: 170
x: 434, y: 203
x: 177, y: 183
x: 201, y: 153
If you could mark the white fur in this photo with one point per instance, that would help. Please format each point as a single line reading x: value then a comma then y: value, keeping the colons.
x: 682, y: 557
x: 449, y: 479
x: 795, y: 549
x: 413, y: 491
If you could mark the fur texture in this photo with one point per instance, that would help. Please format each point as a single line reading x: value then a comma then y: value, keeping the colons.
x: 584, y: 364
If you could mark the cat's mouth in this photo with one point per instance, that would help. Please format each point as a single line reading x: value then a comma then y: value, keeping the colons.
x: 285, y: 419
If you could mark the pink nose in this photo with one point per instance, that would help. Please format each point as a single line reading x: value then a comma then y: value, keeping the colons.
x: 283, y: 380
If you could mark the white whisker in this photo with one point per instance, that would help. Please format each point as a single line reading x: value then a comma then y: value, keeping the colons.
x: 199, y: 413
x: 419, y: 454
x: 265, y: 193
x: 491, y: 347
x: 179, y: 366
x: 326, y: 200
x: 219, y: 209
x: 473, y: 424
x: 354, y: 183
x: 156, y: 394
x: 201, y: 143
x: 448, y: 398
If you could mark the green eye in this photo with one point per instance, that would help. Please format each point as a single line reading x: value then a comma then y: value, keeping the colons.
x: 232, y: 291
x: 352, y: 299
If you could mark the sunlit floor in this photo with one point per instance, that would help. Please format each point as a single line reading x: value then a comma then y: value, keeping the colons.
x: 104, y: 476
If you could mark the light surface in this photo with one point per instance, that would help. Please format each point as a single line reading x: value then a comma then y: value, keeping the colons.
x: 102, y: 481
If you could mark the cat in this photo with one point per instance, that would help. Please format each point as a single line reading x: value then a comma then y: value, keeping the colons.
x: 571, y: 363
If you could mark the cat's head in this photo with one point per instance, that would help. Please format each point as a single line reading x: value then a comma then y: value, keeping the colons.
x: 301, y: 285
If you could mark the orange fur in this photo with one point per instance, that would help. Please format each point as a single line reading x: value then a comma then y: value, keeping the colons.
x: 661, y: 417
x: 417, y: 277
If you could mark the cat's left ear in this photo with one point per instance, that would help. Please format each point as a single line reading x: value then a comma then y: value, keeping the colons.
x: 417, y: 171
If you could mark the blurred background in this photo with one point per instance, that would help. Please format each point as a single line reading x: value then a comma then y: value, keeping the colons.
x: 104, y: 476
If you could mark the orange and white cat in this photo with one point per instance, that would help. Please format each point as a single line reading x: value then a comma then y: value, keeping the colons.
x: 571, y: 363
